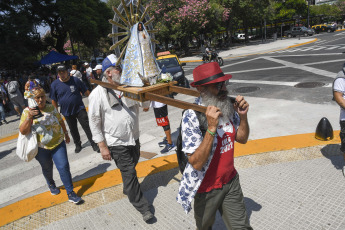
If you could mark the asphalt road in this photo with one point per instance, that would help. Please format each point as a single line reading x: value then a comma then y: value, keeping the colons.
x: 275, y: 75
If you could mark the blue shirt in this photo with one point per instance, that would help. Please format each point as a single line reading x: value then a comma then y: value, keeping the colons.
x: 67, y: 94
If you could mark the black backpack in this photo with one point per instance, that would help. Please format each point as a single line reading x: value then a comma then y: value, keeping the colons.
x: 181, y: 156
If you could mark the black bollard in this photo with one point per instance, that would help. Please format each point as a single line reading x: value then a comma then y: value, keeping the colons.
x: 324, y: 130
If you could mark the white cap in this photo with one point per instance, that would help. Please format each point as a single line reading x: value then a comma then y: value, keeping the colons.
x: 86, y: 63
x: 98, y: 67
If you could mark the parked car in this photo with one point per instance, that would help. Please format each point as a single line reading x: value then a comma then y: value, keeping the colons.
x: 241, y: 36
x: 295, y: 31
x: 172, y: 65
x: 324, y: 28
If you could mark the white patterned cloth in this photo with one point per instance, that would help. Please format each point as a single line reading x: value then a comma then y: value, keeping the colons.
x: 191, y: 140
x: 139, y: 58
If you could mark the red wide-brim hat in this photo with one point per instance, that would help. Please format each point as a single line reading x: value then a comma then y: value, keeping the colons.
x: 208, y: 73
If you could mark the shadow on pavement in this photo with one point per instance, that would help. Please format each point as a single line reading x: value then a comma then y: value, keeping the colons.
x: 5, y: 153
x: 251, y: 206
x: 157, y: 178
x: 98, y: 171
x: 333, y: 153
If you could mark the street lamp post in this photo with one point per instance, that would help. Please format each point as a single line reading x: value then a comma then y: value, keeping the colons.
x: 308, y: 14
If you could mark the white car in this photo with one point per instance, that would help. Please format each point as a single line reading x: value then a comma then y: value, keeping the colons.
x: 241, y: 36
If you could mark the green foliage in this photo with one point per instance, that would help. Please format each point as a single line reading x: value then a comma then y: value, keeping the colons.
x: 329, y: 12
x: 290, y: 8
x: 19, y: 40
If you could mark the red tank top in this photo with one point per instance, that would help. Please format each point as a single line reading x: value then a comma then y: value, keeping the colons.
x: 221, y: 169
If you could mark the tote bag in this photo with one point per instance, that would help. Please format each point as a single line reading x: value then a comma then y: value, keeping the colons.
x: 27, y: 146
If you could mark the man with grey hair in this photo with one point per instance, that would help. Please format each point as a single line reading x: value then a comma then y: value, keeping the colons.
x: 210, y: 177
x: 114, y: 123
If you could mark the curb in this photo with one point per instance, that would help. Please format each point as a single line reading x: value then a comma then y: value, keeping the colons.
x: 302, y: 44
x: 112, y: 178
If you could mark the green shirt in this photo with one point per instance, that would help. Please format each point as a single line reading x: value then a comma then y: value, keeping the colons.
x: 48, y: 129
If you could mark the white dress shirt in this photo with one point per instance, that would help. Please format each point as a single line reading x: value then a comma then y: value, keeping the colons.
x: 117, y: 125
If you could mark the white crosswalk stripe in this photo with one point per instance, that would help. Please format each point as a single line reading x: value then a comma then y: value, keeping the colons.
x: 313, y: 48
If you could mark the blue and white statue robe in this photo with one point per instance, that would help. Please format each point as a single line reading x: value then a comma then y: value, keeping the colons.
x: 139, y: 58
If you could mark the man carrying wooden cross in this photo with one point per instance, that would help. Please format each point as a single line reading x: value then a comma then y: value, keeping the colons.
x: 114, y: 122
x: 210, y: 177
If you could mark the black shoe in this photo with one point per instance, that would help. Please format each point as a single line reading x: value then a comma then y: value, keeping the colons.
x: 147, y: 216
x: 77, y: 147
x: 0, y: 123
x: 6, y: 122
x: 95, y: 148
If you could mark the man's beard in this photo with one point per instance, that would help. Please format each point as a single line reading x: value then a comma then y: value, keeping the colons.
x: 116, y: 77
x: 225, y: 106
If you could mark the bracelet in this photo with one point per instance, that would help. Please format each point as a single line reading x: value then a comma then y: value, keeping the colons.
x: 29, y: 119
x: 212, y: 133
x: 66, y: 132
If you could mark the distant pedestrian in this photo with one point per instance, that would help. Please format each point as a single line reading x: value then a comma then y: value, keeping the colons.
x: 114, y: 121
x: 3, y: 101
x: 88, y: 75
x: 51, y: 137
x: 76, y: 73
x: 339, y: 97
x: 161, y: 114
x: 210, y: 176
x: 15, y: 96
x: 97, y: 75
x: 31, y: 83
x: 67, y: 92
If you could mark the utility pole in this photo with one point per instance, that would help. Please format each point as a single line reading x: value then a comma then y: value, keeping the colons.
x: 308, y: 14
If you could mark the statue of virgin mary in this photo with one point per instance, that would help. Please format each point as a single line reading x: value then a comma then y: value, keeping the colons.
x: 139, y: 62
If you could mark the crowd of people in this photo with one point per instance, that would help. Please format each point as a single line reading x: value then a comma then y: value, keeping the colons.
x: 111, y: 125
x: 13, y: 86
x: 209, y: 176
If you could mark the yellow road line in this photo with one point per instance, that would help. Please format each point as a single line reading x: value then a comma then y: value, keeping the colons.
x: 8, y: 138
x: 96, y: 183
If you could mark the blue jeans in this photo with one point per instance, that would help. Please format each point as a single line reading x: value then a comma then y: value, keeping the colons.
x: 2, y: 112
x: 59, y: 155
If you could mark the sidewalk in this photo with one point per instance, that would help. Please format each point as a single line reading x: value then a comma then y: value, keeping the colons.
x: 299, y: 188
x: 289, y: 182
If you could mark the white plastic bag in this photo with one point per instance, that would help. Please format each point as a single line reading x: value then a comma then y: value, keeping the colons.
x: 27, y: 146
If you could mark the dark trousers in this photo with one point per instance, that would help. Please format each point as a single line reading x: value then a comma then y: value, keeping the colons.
x: 59, y: 155
x: 230, y: 203
x: 126, y: 158
x: 81, y: 116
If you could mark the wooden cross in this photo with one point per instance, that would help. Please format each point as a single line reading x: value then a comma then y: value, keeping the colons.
x: 157, y: 93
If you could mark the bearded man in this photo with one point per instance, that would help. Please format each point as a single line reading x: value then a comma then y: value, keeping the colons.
x: 210, y: 176
x: 114, y: 122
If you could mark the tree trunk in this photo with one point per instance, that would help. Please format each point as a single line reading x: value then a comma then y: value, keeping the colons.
x: 60, y: 41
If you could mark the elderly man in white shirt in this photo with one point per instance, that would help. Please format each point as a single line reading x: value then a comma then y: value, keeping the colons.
x: 114, y: 124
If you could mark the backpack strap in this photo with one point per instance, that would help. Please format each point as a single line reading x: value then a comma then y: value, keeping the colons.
x: 181, y: 156
x: 203, y: 128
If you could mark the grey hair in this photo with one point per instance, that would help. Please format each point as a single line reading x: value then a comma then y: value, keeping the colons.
x: 105, y: 76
